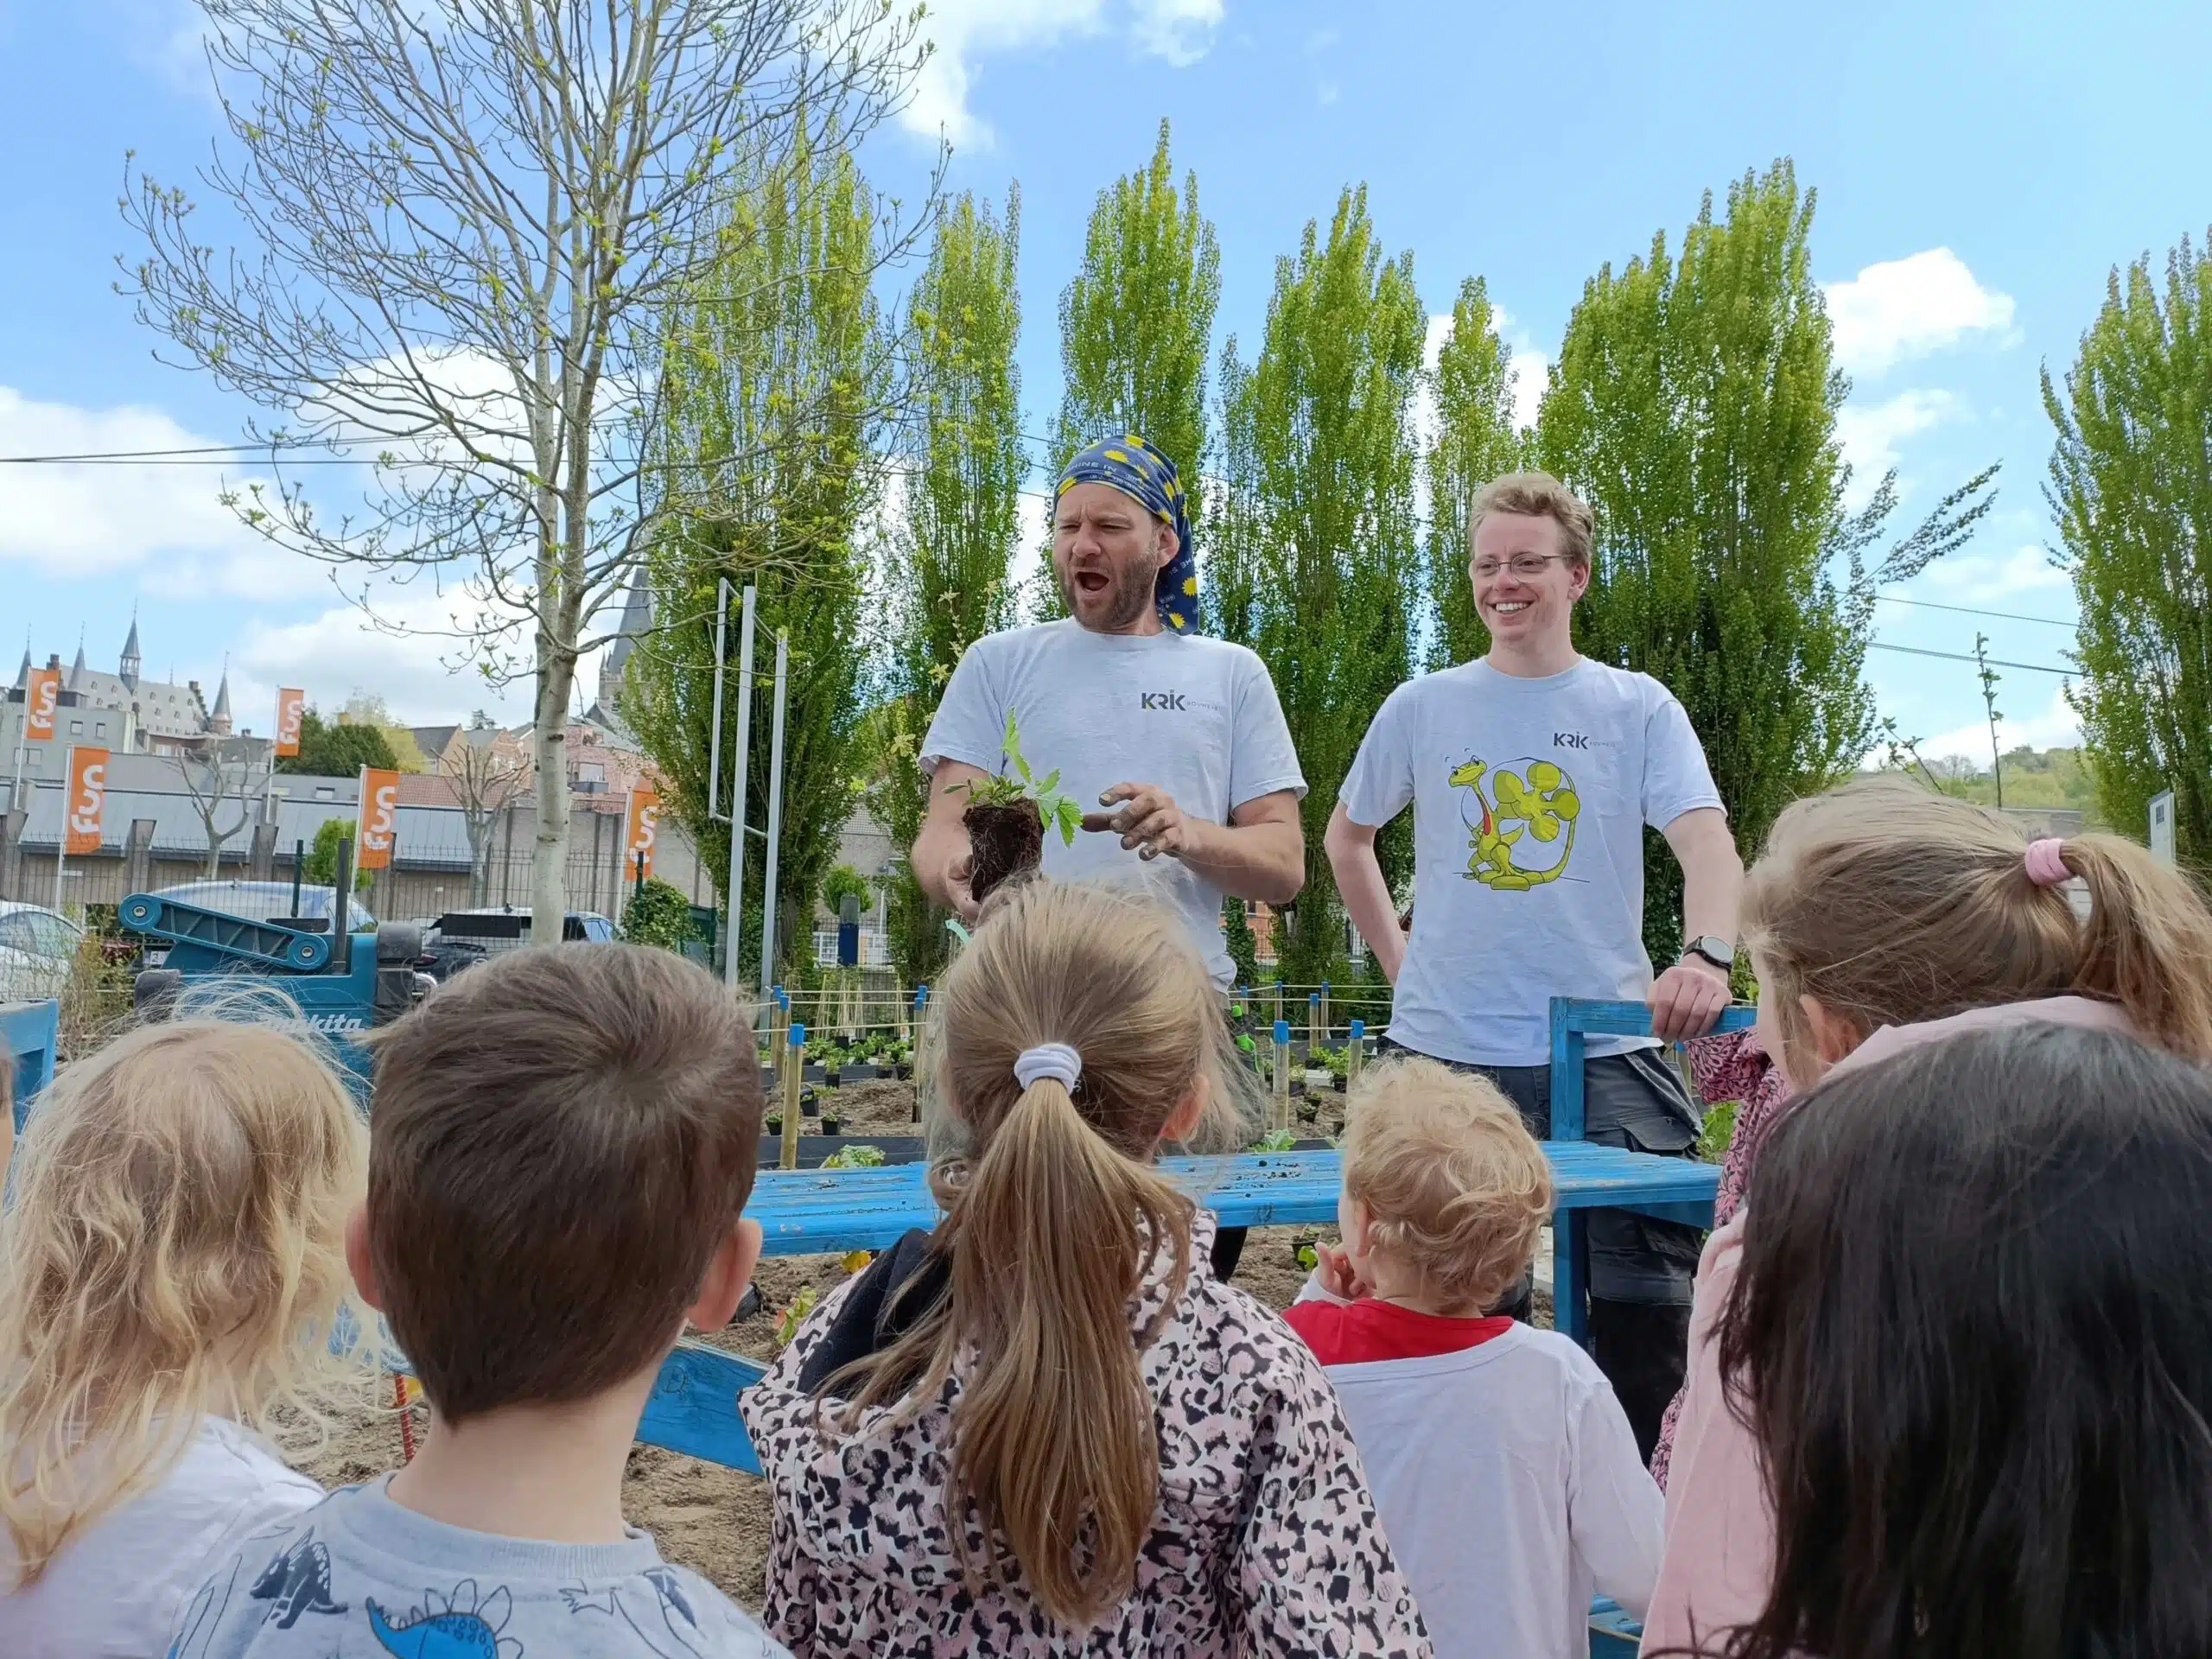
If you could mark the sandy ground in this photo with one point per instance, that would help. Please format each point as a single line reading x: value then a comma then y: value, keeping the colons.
x: 715, y: 1520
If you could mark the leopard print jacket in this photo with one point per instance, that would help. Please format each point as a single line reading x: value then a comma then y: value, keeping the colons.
x: 1265, y: 1541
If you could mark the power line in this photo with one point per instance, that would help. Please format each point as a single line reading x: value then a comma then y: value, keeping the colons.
x: 1958, y: 657
x: 1969, y: 610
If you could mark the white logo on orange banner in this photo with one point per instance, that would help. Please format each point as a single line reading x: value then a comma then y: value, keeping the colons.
x: 86, y: 799
x: 379, y: 818
x: 642, y: 829
x: 291, y: 705
x: 44, y: 692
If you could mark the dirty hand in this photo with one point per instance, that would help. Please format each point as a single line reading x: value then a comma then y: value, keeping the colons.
x: 1145, y: 816
x: 1687, y: 998
x: 1334, y: 1273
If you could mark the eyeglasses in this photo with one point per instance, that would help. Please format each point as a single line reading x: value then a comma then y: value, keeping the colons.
x: 1527, y: 566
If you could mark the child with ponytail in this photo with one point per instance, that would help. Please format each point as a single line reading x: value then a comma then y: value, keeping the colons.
x: 1881, y: 917
x: 172, y: 1270
x: 1044, y: 1428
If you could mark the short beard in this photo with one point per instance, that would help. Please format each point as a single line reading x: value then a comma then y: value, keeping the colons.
x: 1129, y: 594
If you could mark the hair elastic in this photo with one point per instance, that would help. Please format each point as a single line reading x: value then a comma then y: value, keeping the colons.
x: 2045, y: 862
x: 1054, y: 1060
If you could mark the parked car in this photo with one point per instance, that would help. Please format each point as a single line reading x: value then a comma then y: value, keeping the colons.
x: 266, y: 901
x: 461, y: 938
x: 37, y: 949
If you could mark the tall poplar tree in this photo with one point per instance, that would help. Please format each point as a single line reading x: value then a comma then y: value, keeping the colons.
x: 777, y: 386
x: 1474, y: 441
x: 1695, y: 408
x: 1136, y: 327
x: 2131, y: 489
x: 1316, y: 559
x: 947, y: 582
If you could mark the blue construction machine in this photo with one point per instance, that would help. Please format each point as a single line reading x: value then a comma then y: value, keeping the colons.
x: 343, y: 983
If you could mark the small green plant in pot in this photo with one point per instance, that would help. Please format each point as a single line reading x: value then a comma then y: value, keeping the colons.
x: 1006, y: 820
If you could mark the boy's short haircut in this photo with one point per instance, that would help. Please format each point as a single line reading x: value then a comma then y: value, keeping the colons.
x: 1538, y: 495
x: 559, y: 1140
x: 1453, y: 1184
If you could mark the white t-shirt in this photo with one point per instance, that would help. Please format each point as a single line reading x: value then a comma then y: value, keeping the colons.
x: 1197, y: 716
x: 115, y: 1592
x: 1530, y: 799
x: 1507, y: 1480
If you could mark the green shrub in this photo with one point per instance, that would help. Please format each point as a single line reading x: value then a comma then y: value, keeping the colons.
x: 658, y: 913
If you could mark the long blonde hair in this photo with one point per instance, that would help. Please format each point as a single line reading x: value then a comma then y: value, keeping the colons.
x: 1055, y: 1217
x: 1889, y: 904
x: 176, y: 1250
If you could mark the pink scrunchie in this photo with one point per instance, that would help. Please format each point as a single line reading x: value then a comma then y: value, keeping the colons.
x: 2046, y: 865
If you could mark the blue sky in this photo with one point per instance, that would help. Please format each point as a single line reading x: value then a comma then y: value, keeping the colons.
x: 1981, y: 168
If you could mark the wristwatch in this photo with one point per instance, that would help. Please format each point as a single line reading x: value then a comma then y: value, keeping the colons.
x: 1715, y: 949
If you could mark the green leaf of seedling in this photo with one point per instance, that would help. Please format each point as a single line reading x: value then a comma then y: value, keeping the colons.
x: 1071, y: 817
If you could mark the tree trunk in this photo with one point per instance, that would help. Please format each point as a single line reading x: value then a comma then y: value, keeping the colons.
x: 548, y: 864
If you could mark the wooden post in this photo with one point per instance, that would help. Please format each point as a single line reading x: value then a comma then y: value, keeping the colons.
x: 1314, y: 1031
x: 916, y: 1055
x: 1278, y: 1014
x: 1328, y: 1024
x: 1282, y: 1074
x: 794, y: 1065
x: 1355, y: 1055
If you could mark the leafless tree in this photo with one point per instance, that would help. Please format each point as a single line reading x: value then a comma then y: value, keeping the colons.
x: 228, y: 772
x: 460, y: 222
x: 490, y: 771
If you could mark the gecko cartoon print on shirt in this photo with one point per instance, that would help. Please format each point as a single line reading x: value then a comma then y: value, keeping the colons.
x: 668, y: 1628
x: 297, y: 1582
x: 1520, y: 822
x: 459, y: 1626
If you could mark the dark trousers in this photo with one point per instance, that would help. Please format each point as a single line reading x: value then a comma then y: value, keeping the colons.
x: 1641, y: 1269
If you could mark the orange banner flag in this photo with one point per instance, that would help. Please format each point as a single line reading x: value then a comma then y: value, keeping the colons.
x: 378, y: 825
x: 642, y: 826
x: 87, y: 798
x: 45, y: 696
x: 291, y: 704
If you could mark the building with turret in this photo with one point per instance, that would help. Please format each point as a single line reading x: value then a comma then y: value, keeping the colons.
x: 124, y: 712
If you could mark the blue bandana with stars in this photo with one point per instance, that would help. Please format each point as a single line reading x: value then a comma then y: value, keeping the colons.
x: 1148, y: 478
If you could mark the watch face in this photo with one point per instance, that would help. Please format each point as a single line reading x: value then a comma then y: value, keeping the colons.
x: 1714, y: 951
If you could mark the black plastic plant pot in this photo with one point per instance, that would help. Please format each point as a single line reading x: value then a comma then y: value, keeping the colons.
x: 773, y: 1127
x: 903, y: 1071
x: 829, y: 1123
x: 834, y: 1075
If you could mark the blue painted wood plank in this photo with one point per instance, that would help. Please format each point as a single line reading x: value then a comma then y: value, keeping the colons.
x: 693, y: 1407
x: 1613, y: 1634
x: 29, y: 1034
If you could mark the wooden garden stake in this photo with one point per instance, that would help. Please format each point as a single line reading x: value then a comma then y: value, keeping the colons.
x: 1328, y: 1020
x: 794, y: 1065
x: 1282, y: 1074
x: 1314, y: 1032
x: 1355, y: 1055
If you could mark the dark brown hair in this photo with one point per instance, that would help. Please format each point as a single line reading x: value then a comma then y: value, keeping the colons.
x: 558, y: 1142
x: 1972, y: 1336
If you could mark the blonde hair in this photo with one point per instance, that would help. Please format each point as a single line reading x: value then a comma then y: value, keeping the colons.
x: 1453, y: 1184
x: 1537, y: 495
x: 1889, y: 904
x: 1054, y: 1218
x: 176, y: 1250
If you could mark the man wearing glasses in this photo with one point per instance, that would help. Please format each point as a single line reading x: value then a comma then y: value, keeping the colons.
x: 1532, y: 774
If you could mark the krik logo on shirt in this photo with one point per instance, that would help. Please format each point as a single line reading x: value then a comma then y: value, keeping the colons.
x: 1171, y: 700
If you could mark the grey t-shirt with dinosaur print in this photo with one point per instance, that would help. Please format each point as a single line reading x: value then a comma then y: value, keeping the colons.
x: 361, y: 1577
x: 1529, y: 798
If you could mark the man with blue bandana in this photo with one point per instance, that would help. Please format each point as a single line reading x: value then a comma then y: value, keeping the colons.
x: 1178, y: 738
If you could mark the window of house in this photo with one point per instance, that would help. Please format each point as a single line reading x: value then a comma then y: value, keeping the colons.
x: 325, y: 792
x: 76, y: 729
x: 99, y: 729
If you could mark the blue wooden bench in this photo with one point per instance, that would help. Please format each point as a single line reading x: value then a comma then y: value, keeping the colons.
x: 29, y: 1034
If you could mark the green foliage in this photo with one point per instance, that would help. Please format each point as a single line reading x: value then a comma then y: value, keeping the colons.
x: 1475, y: 442
x: 948, y: 584
x: 1315, y: 562
x: 1693, y: 406
x: 842, y: 882
x: 777, y: 383
x: 2131, y: 488
x: 320, y: 867
x: 659, y: 914
x: 1244, y: 946
x: 1719, y: 1124
x: 1054, y: 807
x: 859, y: 1156
x: 1275, y: 1141
x: 339, y: 749
x: 2061, y: 779
x: 1137, y: 327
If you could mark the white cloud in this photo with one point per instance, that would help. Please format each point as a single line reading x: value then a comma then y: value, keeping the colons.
x: 1987, y: 578
x: 1905, y: 308
x: 1178, y: 32
x: 2057, y: 727
x: 165, y: 522
x: 1319, y: 45
x: 1869, y: 434
x: 1526, y: 368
